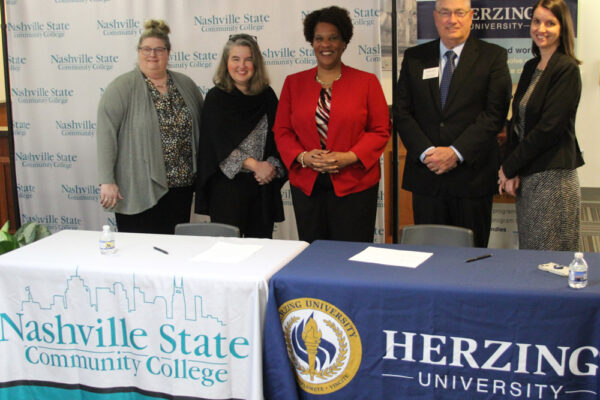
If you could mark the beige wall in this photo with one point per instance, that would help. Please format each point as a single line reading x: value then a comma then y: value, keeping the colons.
x: 588, y: 115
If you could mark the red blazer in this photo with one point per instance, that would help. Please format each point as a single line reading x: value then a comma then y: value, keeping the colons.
x: 359, y: 122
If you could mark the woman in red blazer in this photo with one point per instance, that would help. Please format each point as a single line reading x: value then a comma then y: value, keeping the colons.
x: 331, y: 127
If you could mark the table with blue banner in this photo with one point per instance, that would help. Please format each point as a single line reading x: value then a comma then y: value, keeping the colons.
x: 169, y: 317
x: 495, y: 328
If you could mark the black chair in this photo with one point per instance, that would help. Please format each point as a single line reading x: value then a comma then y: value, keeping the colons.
x: 437, y: 235
x: 207, y: 229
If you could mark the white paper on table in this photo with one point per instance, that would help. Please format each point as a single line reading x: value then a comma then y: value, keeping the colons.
x: 222, y: 252
x: 397, y: 258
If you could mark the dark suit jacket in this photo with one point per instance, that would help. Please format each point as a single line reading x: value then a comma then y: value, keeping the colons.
x: 549, y: 141
x: 475, y: 112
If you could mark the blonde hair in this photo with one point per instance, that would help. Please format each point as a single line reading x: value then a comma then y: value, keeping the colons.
x: 260, y: 79
x: 156, y: 28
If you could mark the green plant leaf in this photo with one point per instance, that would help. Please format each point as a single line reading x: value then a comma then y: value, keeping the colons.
x: 8, y: 245
x: 5, y: 227
x: 30, y: 232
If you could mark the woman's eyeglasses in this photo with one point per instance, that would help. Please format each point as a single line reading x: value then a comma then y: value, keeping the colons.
x: 159, y: 51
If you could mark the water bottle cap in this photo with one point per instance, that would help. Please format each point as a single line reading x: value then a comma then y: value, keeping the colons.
x: 105, y: 227
x: 579, y: 255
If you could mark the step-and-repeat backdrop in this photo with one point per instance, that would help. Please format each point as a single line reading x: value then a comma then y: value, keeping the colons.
x: 63, y: 53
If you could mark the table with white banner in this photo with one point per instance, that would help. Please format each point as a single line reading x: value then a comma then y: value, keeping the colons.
x: 182, y: 323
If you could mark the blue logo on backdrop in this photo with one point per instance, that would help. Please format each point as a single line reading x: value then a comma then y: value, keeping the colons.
x: 370, y: 53
x: 16, y: 63
x: 46, y: 159
x: 42, y: 95
x: 492, y: 19
x: 365, y: 16
x: 101, y: 342
x: 359, y: 16
x: 304, y: 55
x: 204, y: 89
x: 76, y: 128
x: 25, y: 191
x: 84, y: 62
x: 21, y: 128
x: 37, y: 29
x: 195, y: 59
x: 53, y: 222
x: 232, y: 23
x: 119, y: 27
x: 81, y: 192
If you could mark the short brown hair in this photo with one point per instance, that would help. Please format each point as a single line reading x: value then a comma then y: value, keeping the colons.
x: 333, y: 15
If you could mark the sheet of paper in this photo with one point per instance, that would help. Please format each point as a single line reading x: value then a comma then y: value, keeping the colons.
x: 222, y: 252
x: 398, y: 258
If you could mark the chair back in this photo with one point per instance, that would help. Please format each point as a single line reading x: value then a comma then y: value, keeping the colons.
x: 437, y: 235
x: 207, y: 229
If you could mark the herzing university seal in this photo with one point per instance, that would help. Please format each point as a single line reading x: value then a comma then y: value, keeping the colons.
x: 322, y: 342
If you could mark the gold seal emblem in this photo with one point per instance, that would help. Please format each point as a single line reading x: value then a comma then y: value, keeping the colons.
x: 322, y: 342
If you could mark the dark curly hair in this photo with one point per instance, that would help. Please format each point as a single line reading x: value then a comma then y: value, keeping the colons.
x: 334, y: 15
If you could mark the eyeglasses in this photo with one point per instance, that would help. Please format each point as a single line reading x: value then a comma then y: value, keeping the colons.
x: 445, y: 13
x: 159, y: 51
x: 237, y: 36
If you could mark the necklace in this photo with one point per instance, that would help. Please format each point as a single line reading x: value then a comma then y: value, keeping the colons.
x: 329, y: 83
x: 159, y: 83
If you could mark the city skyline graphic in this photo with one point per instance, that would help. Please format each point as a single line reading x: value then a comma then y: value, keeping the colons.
x: 101, y: 299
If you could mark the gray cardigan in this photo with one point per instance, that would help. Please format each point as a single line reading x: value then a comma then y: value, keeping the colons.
x: 128, y: 139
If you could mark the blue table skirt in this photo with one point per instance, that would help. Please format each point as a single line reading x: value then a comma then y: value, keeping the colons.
x: 497, y: 328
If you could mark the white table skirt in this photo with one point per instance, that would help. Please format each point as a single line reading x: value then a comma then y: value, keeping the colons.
x: 138, y: 319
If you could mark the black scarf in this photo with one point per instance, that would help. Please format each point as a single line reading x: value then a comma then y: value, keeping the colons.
x: 227, y: 119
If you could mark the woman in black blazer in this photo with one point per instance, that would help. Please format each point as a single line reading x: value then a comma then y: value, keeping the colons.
x: 543, y: 153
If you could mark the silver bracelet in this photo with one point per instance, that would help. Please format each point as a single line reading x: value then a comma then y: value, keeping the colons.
x: 302, y: 159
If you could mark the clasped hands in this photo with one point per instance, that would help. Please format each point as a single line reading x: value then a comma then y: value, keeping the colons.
x: 327, y: 161
x: 440, y: 160
x: 508, y: 186
x: 264, y: 171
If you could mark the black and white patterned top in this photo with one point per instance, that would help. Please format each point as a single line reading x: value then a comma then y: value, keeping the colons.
x: 175, y: 120
x: 524, y: 100
x: 251, y: 147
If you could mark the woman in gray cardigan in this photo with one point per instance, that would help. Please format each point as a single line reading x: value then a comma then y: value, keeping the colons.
x: 147, y: 137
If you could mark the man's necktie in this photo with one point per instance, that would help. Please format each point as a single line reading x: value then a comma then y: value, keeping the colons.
x: 447, y: 75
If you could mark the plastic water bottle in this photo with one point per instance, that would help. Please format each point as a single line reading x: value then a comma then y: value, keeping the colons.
x: 107, y: 241
x: 578, y: 270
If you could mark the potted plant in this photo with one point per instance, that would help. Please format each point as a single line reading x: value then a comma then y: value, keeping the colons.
x: 27, y: 233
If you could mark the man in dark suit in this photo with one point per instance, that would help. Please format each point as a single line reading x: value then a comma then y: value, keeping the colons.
x: 449, y: 110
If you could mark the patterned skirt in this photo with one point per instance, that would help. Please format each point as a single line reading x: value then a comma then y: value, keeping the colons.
x: 549, y: 211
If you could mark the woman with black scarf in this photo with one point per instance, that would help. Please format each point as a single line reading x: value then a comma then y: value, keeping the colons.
x: 240, y: 173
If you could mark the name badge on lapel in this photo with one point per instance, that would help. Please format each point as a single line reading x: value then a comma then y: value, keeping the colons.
x: 429, y: 73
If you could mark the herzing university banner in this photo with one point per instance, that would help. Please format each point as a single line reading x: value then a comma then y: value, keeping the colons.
x: 63, y: 53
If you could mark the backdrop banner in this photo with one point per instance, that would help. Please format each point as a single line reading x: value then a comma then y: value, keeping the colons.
x: 63, y: 53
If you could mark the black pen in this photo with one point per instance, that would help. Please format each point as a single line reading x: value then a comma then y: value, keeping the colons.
x: 161, y: 250
x: 478, y: 258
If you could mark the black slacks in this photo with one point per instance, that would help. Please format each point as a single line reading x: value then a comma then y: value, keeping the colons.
x: 172, y: 209
x: 238, y: 202
x: 323, y: 215
x: 474, y: 213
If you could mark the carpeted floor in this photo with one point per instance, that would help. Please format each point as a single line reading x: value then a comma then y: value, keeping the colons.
x: 590, y: 219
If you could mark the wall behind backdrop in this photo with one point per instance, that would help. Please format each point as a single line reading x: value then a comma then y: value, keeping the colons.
x: 63, y: 53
